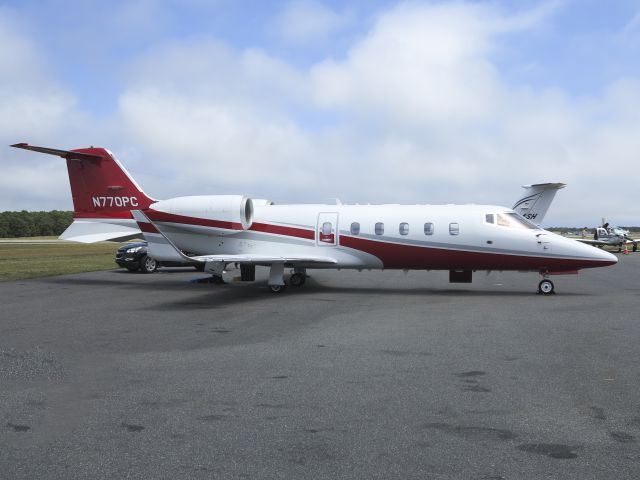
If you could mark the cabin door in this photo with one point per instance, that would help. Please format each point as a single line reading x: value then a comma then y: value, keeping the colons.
x: 327, y: 229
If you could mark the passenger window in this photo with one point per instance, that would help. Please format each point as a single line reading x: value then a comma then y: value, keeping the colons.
x: 454, y: 229
x: 355, y: 228
x: 326, y: 228
x: 404, y: 228
x: 428, y: 228
x: 379, y: 228
x: 489, y: 218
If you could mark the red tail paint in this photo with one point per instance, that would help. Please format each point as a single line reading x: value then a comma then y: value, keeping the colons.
x: 101, y: 187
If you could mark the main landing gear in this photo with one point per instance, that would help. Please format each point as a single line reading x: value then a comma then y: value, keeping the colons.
x: 546, y: 287
x: 297, y: 279
x: 276, y: 278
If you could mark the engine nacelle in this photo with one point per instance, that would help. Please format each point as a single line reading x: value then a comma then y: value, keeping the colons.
x: 231, y: 209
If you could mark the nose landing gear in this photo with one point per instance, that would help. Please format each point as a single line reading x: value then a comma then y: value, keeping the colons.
x: 546, y: 287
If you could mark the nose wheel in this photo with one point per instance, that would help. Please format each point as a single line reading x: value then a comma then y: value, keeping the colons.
x: 545, y: 287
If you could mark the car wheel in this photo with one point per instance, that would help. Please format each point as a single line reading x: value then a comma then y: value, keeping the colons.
x: 148, y: 264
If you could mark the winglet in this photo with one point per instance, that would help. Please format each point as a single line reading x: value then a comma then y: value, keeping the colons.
x: 160, y: 247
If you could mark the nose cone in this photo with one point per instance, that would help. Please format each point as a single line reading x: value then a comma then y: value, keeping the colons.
x: 583, y: 255
x: 600, y: 257
x: 605, y: 257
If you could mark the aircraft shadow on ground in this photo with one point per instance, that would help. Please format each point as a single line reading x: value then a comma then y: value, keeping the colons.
x: 217, y: 296
x: 232, y: 293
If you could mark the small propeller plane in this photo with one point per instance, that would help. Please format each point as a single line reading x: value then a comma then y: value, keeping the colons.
x: 222, y: 229
x: 612, y: 236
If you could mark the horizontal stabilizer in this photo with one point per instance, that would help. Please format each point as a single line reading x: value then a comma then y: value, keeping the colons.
x: 68, y: 154
x: 91, y: 231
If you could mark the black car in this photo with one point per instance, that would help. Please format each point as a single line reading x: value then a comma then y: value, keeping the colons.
x: 134, y: 257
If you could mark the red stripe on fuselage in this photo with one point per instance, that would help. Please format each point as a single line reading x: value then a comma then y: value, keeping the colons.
x: 280, y: 230
x: 394, y: 255
x: 157, y: 216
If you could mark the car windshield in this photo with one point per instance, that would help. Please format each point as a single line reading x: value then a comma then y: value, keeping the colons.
x: 513, y: 220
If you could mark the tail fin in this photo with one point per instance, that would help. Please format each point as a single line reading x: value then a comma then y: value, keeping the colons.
x: 103, y: 194
x: 100, y: 185
x: 535, y: 202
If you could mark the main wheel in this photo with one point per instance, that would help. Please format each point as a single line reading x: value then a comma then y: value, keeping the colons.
x: 276, y: 288
x: 148, y: 264
x: 635, y: 247
x: 297, y: 279
x: 545, y: 287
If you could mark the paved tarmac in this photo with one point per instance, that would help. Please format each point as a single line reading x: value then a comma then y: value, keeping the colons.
x: 376, y: 375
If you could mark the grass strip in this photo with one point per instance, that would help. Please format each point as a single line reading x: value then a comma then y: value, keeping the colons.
x: 18, y: 261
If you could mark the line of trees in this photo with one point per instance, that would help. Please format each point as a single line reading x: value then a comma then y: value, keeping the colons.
x: 34, y: 224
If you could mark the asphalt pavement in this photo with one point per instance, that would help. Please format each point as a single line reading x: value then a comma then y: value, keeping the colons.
x: 376, y: 375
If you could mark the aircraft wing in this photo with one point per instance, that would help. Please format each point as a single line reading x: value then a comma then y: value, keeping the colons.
x: 264, y: 259
x: 161, y: 247
x: 590, y: 241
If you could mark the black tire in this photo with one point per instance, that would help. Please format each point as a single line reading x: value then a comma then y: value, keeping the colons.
x: 247, y: 272
x: 297, y: 280
x: 635, y: 247
x: 546, y: 287
x: 276, y: 288
x: 148, y: 264
x: 199, y: 267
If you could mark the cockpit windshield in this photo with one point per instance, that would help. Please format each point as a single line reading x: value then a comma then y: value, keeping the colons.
x: 510, y: 219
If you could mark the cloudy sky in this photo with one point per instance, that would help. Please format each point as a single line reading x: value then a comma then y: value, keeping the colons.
x: 306, y: 101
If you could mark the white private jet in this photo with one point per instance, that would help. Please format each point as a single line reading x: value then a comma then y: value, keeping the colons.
x: 224, y: 229
x: 613, y: 236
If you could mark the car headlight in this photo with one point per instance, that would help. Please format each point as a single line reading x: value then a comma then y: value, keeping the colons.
x: 134, y: 249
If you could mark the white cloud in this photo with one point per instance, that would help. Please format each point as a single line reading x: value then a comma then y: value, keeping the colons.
x: 416, y: 110
x: 305, y: 21
x: 37, y: 109
x: 28, y: 100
